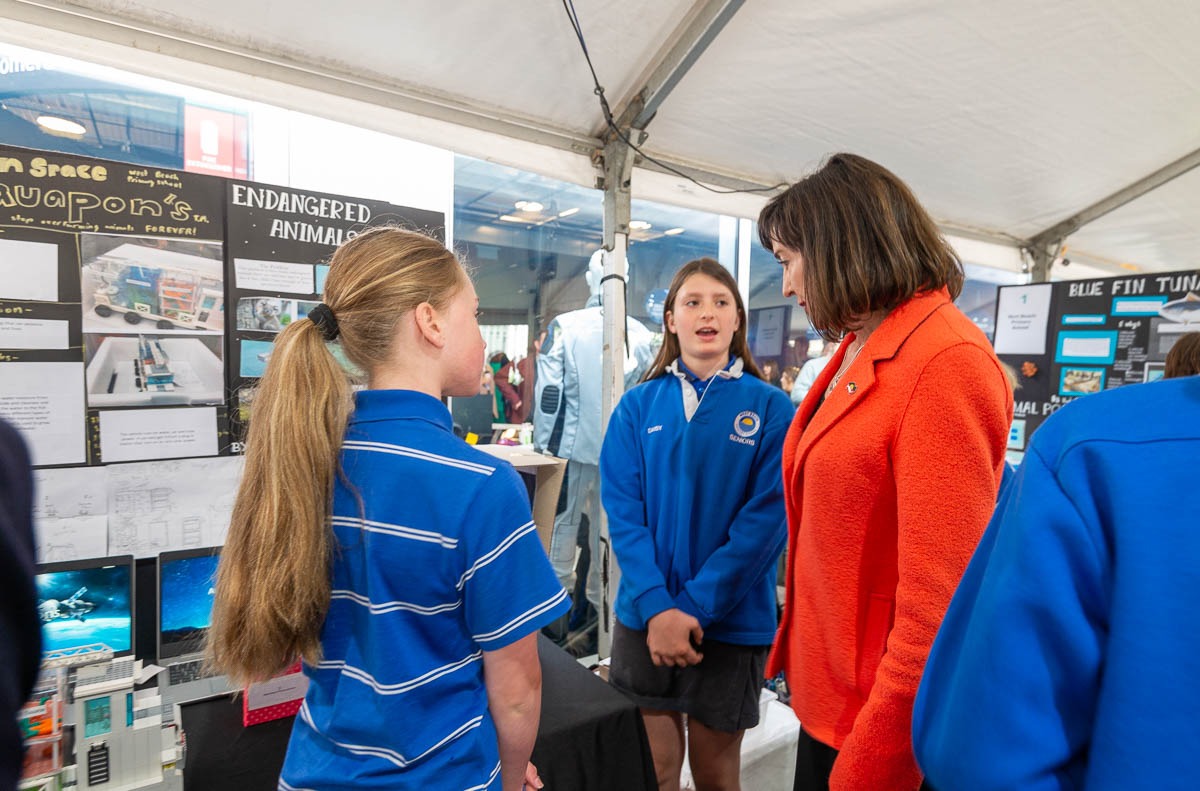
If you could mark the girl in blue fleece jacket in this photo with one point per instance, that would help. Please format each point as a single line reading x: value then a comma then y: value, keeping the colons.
x: 690, y: 479
x: 1069, y: 656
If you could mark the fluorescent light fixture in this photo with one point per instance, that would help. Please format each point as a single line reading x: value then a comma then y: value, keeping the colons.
x: 568, y: 212
x: 61, y: 126
x: 512, y: 218
x: 528, y: 205
x: 639, y: 225
x: 672, y: 231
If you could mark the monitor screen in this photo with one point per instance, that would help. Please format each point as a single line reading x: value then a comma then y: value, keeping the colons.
x: 87, y: 602
x: 185, y: 597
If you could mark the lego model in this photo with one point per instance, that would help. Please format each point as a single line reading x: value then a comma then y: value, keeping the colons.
x: 152, y: 368
x: 170, y: 289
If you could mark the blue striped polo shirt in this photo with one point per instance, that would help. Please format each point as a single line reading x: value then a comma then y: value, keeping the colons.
x: 442, y: 563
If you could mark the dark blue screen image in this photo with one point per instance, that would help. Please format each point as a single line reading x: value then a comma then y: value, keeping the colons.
x: 186, y: 599
x: 85, y: 606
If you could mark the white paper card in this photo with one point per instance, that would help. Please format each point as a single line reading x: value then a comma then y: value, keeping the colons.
x: 140, y: 434
x: 275, y: 691
x: 1099, y: 348
x: 1021, y: 319
x: 33, y: 333
x: 28, y: 270
x: 45, y: 402
x: 274, y: 276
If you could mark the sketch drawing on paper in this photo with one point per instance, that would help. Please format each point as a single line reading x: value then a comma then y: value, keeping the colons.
x: 164, y: 505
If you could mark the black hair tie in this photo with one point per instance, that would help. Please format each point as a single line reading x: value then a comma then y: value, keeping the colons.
x: 323, y: 317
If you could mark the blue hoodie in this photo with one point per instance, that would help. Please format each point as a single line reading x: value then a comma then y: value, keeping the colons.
x: 1070, y: 654
x: 694, y: 494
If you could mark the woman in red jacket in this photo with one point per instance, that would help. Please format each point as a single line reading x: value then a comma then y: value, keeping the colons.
x: 890, y: 469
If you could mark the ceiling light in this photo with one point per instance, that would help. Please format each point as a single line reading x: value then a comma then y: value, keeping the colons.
x: 568, y: 212
x: 672, y: 231
x: 528, y: 205
x: 511, y: 218
x: 61, y: 126
x: 639, y: 225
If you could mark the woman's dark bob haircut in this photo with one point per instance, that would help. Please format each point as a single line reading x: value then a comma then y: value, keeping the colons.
x: 867, y: 244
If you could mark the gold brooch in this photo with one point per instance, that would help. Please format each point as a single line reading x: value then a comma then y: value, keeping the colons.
x: 851, y: 388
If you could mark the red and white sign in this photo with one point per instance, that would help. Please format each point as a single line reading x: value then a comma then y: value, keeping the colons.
x: 214, y: 141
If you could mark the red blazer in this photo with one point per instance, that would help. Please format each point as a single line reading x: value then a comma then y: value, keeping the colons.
x: 889, y: 486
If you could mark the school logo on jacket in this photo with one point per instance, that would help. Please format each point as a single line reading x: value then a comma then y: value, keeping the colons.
x: 745, y: 426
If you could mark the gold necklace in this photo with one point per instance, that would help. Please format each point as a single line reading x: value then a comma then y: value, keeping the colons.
x: 845, y: 367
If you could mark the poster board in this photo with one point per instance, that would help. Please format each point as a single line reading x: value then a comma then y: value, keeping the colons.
x: 103, y: 266
x: 279, y: 242
x: 122, y: 347
x: 1069, y: 339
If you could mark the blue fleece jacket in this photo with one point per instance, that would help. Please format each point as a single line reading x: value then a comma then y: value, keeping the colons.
x: 695, y: 507
x: 1070, y: 654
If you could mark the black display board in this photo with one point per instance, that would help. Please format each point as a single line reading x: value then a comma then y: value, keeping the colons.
x: 278, y: 245
x: 1069, y: 339
x: 105, y: 272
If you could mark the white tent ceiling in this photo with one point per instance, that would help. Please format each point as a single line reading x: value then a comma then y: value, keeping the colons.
x: 1006, y: 117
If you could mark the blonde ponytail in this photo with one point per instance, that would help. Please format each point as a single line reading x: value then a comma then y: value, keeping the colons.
x: 273, y: 583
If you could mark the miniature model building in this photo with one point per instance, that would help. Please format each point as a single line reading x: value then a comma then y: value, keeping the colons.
x: 170, y: 289
x: 152, y: 368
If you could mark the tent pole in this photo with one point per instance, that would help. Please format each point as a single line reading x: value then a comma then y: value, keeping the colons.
x: 615, y: 163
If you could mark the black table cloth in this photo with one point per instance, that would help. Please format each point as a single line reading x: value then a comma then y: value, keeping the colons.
x: 591, y: 737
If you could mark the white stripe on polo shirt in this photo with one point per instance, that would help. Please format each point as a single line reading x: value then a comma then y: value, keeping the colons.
x: 358, y: 749
x: 497, y: 552
x: 413, y: 453
x: 394, y: 606
x: 522, y: 618
x: 285, y: 786
x: 487, y: 782
x: 399, y: 688
x: 399, y: 531
x: 383, y: 752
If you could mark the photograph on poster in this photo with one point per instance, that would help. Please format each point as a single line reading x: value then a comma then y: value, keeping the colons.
x: 45, y: 402
x: 136, y: 283
x: 245, y: 401
x: 1153, y: 372
x: 28, y: 270
x: 1081, y: 381
x: 271, y: 314
x: 254, y: 357
x: 1185, y: 310
x: 137, y: 370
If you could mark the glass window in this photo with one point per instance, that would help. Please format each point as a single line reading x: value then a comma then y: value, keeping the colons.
x: 529, y: 239
x: 800, y: 341
x: 60, y: 104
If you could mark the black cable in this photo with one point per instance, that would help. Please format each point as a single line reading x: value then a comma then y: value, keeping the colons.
x: 569, y: 7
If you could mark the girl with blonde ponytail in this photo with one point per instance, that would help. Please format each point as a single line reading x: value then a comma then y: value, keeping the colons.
x: 399, y: 563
